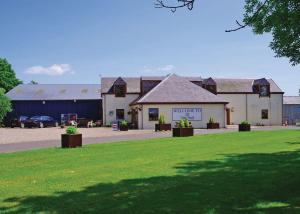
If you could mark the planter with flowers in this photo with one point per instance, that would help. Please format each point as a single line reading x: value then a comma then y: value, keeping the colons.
x: 162, y: 125
x: 123, y: 125
x: 71, y: 138
x: 244, y: 126
x: 212, y: 124
x: 183, y: 129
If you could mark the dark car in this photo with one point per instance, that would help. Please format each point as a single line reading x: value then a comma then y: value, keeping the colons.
x: 18, y: 122
x: 40, y: 122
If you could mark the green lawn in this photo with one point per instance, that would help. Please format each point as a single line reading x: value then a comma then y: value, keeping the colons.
x: 256, y: 172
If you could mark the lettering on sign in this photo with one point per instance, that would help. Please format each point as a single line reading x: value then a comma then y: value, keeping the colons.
x: 192, y: 114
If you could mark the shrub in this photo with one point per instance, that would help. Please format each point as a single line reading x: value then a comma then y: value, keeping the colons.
x: 161, y: 119
x: 181, y: 123
x: 211, y: 120
x: 71, y: 130
x: 124, y: 123
x: 245, y: 122
x: 186, y: 122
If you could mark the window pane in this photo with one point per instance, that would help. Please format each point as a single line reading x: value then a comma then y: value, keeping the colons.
x: 120, y: 114
x: 153, y: 114
x: 120, y: 90
x: 264, y: 114
x: 264, y: 92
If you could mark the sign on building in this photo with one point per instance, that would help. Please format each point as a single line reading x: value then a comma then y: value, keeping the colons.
x: 192, y: 114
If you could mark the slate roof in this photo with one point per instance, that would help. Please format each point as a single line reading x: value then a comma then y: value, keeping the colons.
x: 55, y: 92
x: 291, y: 100
x: 163, y: 77
x: 176, y: 89
x: 133, y: 84
x: 223, y: 85
x: 241, y: 86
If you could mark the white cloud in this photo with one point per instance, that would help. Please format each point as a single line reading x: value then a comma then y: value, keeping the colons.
x: 166, y: 68
x: 158, y: 69
x: 53, y: 70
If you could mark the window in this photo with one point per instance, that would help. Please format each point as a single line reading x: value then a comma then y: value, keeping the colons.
x: 264, y: 114
x: 264, y: 91
x: 153, y: 114
x: 120, y: 90
x: 120, y: 114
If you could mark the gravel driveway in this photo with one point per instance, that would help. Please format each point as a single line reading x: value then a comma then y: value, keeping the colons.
x: 17, y: 139
x: 18, y: 135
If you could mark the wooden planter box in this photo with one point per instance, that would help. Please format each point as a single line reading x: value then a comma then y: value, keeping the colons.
x: 123, y: 128
x: 183, y: 132
x: 163, y: 127
x: 213, y: 125
x: 71, y: 140
x: 244, y: 127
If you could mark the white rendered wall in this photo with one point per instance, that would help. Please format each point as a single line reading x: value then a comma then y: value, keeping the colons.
x: 217, y: 111
x: 111, y: 103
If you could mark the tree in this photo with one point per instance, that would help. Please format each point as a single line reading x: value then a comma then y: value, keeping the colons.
x: 281, y: 18
x: 5, y: 105
x: 8, y: 78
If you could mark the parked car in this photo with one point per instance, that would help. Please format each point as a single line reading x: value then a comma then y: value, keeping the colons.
x: 18, y: 122
x: 40, y: 122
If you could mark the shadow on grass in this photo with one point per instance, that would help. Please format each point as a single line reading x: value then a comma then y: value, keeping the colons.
x: 267, y: 183
x: 294, y: 142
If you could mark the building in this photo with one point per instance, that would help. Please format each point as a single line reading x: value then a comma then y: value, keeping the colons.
x: 140, y: 100
x: 291, y: 109
x: 56, y: 99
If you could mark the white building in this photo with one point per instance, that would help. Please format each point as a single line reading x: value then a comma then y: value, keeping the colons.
x: 229, y: 101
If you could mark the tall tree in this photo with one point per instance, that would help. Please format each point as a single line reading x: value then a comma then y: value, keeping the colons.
x: 8, y: 78
x: 5, y: 105
x: 281, y: 18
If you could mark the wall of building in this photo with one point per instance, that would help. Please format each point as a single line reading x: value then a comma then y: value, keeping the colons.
x: 237, y: 106
x: 249, y: 107
x: 291, y: 114
x: 91, y: 109
x: 217, y: 111
x: 111, y: 103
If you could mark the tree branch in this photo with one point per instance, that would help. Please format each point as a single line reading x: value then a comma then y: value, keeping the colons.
x: 181, y: 3
x: 240, y: 26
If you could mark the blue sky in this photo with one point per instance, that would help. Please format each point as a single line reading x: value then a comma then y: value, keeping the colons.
x: 75, y: 41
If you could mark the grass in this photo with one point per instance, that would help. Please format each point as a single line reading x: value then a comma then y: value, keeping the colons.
x: 256, y: 172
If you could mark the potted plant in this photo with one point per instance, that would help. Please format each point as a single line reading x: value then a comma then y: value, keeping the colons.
x: 71, y: 138
x: 244, y: 126
x: 212, y: 124
x: 162, y: 125
x: 123, y: 126
x: 183, y: 129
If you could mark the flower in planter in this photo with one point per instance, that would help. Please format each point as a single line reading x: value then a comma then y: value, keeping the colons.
x: 211, y: 120
x: 245, y: 122
x: 124, y: 123
x: 161, y: 119
x: 71, y: 130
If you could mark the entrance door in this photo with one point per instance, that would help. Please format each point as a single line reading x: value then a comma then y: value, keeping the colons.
x: 228, y: 116
x: 134, y: 118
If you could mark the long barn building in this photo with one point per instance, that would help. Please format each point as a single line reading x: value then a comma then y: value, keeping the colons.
x: 56, y: 99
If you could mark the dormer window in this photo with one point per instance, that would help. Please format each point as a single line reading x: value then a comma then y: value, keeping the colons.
x: 210, y: 85
x: 262, y: 87
x: 120, y: 88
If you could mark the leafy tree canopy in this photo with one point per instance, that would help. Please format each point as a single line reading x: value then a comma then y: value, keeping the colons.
x: 281, y: 18
x: 5, y: 105
x: 8, y: 78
